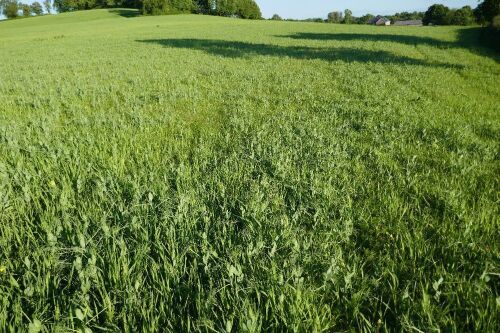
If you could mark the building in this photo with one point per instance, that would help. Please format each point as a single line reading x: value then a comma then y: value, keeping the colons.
x: 415, y: 23
x: 380, y: 20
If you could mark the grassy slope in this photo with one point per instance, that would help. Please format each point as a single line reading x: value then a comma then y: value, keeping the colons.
x: 198, y: 173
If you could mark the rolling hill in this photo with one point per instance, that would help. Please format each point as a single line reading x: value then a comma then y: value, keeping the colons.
x: 198, y: 173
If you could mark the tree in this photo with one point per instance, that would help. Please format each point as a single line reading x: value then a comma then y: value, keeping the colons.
x: 66, y: 5
x: 407, y: 16
x: 36, y: 8
x: 486, y: 11
x: 365, y: 19
x: 3, y: 3
x: 495, y: 23
x: 276, y: 17
x: 26, y: 10
x: 248, y: 9
x: 11, y: 9
x: 226, y: 7
x: 204, y: 6
x: 334, y: 17
x: 462, y: 16
x: 48, y: 5
x: 436, y: 15
x: 348, y: 16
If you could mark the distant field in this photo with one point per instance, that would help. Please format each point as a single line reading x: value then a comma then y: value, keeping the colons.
x: 194, y: 173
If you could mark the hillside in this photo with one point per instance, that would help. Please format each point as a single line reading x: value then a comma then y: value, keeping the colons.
x: 197, y: 173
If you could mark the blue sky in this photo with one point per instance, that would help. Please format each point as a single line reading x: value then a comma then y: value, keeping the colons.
x: 320, y: 8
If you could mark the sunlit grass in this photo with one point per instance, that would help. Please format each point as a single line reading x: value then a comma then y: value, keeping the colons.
x: 193, y: 173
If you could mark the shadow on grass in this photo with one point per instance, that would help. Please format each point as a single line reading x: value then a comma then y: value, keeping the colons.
x: 347, y: 37
x: 233, y: 49
x: 469, y: 38
x: 127, y: 13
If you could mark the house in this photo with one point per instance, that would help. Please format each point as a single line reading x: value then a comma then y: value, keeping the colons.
x: 380, y: 20
x: 415, y: 23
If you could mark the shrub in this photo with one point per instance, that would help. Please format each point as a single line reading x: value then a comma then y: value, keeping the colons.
x: 276, y: 17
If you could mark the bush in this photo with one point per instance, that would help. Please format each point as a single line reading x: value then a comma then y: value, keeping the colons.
x: 276, y: 17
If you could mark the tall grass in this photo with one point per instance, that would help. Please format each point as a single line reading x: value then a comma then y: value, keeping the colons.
x: 205, y: 174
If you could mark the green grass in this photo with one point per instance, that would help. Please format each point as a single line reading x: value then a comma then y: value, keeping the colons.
x: 194, y: 173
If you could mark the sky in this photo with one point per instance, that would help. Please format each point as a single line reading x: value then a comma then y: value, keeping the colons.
x: 300, y: 9
x: 320, y: 8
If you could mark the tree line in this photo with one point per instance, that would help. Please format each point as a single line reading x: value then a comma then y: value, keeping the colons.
x: 437, y: 14
x: 247, y: 9
x: 14, y: 9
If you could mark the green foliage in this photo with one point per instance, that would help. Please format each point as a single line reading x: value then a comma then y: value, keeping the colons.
x: 334, y: 17
x: 26, y: 10
x: 276, y: 17
x: 36, y: 8
x: 348, y: 18
x: 365, y: 19
x: 407, y: 16
x: 3, y: 3
x: 240, y: 8
x: 159, y: 7
x: 495, y: 23
x: 48, y: 6
x: 247, y: 9
x: 11, y: 9
x: 491, y: 34
x: 226, y: 7
x: 463, y: 16
x: 68, y: 5
x: 204, y: 6
x: 486, y: 11
x: 197, y: 174
x: 436, y: 15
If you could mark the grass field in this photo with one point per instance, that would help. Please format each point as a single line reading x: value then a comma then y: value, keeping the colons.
x: 194, y: 173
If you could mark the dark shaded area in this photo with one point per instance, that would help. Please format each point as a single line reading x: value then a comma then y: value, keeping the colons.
x: 347, y: 37
x: 475, y: 39
x: 233, y: 49
x: 127, y: 13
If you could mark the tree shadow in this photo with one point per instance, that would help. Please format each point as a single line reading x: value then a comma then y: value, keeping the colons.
x: 234, y: 49
x: 347, y: 37
x: 469, y: 38
x: 480, y: 40
x: 127, y: 13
